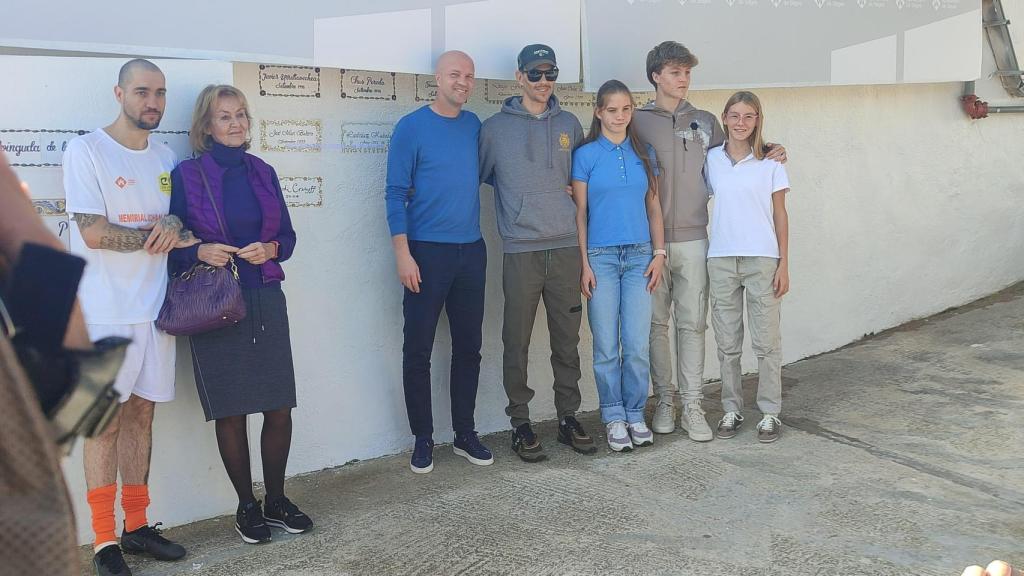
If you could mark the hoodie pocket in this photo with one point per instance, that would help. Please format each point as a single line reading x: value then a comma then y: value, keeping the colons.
x: 544, y: 215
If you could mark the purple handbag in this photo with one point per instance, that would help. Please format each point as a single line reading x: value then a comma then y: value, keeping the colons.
x: 205, y: 297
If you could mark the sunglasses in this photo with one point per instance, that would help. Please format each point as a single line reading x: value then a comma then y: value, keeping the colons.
x: 535, y: 75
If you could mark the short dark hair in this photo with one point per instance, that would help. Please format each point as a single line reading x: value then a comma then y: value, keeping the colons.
x: 124, y: 76
x: 668, y: 52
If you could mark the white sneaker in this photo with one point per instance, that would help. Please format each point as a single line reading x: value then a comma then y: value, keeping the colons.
x: 664, y: 421
x: 695, y: 423
x: 641, y: 434
x: 618, y: 438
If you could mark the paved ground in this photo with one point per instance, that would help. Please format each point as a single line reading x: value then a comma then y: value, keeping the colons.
x: 901, y: 455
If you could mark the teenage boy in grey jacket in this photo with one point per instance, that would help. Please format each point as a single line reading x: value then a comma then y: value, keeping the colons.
x: 526, y: 155
x: 681, y: 135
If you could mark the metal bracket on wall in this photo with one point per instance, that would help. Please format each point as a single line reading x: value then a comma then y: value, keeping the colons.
x: 997, y: 29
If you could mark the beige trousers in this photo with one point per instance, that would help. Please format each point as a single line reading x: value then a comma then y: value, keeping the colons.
x: 683, y: 293
x: 733, y: 279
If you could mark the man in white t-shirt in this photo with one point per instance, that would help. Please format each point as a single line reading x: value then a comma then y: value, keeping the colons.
x: 117, y: 183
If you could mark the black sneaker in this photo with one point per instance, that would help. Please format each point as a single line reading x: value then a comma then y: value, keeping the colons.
x: 149, y: 539
x: 250, y: 525
x: 283, y: 514
x: 571, y: 433
x: 468, y: 445
x: 526, y: 444
x: 109, y: 562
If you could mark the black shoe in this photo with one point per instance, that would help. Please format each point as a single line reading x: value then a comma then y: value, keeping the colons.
x: 526, y: 444
x: 250, y: 525
x: 110, y: 562
x: 571, y: 433
x: 283, y: 514
x: 149, y: 539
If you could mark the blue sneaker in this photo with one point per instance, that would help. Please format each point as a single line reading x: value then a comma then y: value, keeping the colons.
x: 468, y: 445
x: 423, y: 456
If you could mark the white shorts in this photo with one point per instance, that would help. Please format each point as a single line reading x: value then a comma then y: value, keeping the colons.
x: 148, y: 369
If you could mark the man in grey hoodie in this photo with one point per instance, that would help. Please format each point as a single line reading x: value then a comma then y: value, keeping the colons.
x: 681, y: 135
x: 526, y: 155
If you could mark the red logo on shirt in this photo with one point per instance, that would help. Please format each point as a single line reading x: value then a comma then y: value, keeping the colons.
x: 121, y: 182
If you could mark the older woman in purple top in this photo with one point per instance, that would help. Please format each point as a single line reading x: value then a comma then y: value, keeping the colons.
x: 246, y: 368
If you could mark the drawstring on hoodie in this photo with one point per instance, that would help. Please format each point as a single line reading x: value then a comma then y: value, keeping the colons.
x: 547, y: 120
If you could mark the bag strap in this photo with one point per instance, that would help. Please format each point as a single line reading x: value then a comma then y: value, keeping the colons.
x: 209, y: 193
x: 206, y: 184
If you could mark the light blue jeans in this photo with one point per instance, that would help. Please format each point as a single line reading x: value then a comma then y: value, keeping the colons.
x: 620, y: 319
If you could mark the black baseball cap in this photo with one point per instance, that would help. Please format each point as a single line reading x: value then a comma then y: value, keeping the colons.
x: 534, y: 55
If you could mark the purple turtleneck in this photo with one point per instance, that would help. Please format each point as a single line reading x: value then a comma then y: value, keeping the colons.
x: 242, y: 215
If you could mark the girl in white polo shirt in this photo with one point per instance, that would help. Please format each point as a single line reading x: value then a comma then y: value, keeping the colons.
x: 748, y: 256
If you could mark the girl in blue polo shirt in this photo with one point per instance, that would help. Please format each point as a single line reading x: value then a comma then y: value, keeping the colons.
x: 618, y: 218
x: 748, y: 257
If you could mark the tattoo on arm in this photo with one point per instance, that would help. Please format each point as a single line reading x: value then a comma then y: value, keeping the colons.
x: 113, y: 237
x: 121, y: 239
x: 85, y: 220
x: 171, y: 222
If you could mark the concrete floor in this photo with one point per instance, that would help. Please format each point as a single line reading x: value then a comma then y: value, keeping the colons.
x: 900, y: 455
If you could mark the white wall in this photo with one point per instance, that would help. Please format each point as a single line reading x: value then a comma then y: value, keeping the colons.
x: 901, y: 207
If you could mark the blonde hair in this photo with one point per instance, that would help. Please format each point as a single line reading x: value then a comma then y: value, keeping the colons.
x: 202, y: 115
x: 756, y: 138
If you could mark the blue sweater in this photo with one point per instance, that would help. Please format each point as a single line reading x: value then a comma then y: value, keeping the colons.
x: 433, y: 185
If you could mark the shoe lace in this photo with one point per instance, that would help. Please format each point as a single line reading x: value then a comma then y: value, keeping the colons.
x: 769, y: 423
x: 574, y: 424
x: 617, y: 429
x: 729, y: 419
x: 153, y: 532
x: 254, y: 515
x: 472, y: 440
x: 639, y: 427
x: 695, y: 414
x: 525, y: 434
x: 287, y: 507
x: 113, y: 559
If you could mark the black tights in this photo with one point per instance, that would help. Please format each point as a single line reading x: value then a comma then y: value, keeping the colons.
x: 275, y: 441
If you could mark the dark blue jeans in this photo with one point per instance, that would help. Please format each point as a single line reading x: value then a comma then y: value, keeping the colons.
x: 453, y: 278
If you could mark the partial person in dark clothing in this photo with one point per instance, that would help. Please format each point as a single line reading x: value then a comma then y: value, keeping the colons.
x: 245, y: 368
x: 37, y: 530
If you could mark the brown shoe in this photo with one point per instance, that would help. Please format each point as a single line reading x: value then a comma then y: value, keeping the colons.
x: 769, y: 428
x: 526, y: 445
x: 571, y: 433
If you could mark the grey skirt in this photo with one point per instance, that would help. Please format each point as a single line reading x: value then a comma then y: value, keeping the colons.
x: 247, y: 368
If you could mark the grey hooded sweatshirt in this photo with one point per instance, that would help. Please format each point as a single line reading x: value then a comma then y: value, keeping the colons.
x: 528, y: 161
x: 681, y: 140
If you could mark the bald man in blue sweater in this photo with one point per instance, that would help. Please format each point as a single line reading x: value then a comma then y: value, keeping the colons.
x: 433, y: 211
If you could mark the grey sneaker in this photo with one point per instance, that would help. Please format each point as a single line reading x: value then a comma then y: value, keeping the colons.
x: 640, y: 434
x: 695, y: 423
x: 618, y: 438
x: 729, y: 425
x: 769, y: 428
x: 664, y: 421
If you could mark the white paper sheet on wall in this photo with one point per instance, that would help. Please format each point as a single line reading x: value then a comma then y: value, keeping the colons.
x: 391, y: 41
x: 493, y: 33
